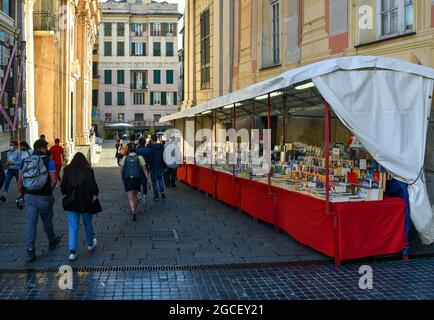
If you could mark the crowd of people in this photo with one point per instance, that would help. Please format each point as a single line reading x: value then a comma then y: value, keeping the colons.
x: 38, y: 171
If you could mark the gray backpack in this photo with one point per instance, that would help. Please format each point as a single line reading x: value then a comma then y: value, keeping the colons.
x: 35, y: 173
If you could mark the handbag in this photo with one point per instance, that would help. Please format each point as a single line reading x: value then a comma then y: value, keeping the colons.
x: 96, y: 207
x: 70, y: 199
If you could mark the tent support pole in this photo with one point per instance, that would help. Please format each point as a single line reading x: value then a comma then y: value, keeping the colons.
x: 327, y: 183
x: 270, y: 192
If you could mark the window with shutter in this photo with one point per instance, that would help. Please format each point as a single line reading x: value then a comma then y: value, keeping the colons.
x: 163, y: 98
x: 169, y: 76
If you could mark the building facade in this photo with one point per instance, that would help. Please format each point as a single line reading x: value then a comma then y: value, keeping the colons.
x: 138, y: 63
x: 59, y: 53
x: 13, y: 111
x: 232, y: 44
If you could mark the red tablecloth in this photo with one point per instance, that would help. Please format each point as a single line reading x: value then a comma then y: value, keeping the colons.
x: 354, y: 230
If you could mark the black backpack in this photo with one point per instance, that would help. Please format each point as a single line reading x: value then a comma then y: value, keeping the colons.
x: 132, y: 169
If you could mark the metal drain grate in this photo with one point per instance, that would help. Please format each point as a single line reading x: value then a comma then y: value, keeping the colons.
x: 165, y: 235
x: 200, y: 267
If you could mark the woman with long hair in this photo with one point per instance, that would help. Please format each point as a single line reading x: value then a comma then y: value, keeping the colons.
x: 80, y: 192
x: 26, y: 151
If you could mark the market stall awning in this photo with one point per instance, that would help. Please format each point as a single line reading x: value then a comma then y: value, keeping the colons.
x: 295, y: 86
x: 384, y: 102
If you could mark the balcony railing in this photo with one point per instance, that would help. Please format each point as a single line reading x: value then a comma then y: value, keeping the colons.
x: 136, y: 86
x: 45, y: 21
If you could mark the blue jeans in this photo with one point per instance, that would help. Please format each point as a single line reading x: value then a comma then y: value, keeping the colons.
x: 74, y: 224
x: 157, y: 181
x: 10, y: 174
x: 38, y: 205
x: 2, y: 177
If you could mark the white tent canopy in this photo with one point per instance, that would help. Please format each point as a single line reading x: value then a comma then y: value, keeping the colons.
x: 384, y: 102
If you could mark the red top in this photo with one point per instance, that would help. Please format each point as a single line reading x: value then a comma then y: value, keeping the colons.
x: 56, y: 153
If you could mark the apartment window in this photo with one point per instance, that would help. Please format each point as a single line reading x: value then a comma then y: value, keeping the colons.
x: 121, y: 49
x: 108, y: 117
x: 138, y: 49
x: 275, y: 30
x: 121, y: 99
x: 107, y: 77
x: 108, y: 98
x: 155, y: 29
x: 205, y: 37
x: 169, y: 76
x: 107, y: 49
x: 121, y: 77
x: 120, y: 29
x: 157, y: 49
x: 155, y: 97
x: 169, y: 49
x: 107, y: 29
x: 157, y: 117
x: 396, y: 17
x: 139, y: 80
x: 138, y: 29
x: 95, y: 97
x: 157, y: 77
x: 168, y: 29
x: 95, y: 69
x: 138, y: 98
x: 121, y: 116
x: 138, y: 117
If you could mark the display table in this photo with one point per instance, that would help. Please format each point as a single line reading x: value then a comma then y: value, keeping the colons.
x: 353, y: 229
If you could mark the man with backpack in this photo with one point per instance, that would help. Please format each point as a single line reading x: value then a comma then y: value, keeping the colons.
x: 36, y: 181
x: 133, y: 170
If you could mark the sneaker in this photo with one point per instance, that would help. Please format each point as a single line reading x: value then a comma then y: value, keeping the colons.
x: 72, y: 255
x: 144, y: 201
x: 52, y: 245
x: 139, y: 196
x: 31, y: 256
x: 92, y: 247
x: 163, y: 196
x: 156, y: 198
x: 3, y: 199
x: 134, y: 216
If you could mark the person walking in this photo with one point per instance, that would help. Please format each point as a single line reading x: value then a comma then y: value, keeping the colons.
x: 156, y: 168
x: 37, y: 179
x: 26, y: 151
x: 172, y: 167
x: 133, y: 169
x: 131, y: 144
x: 145, y: 153
x: 13, y: 162
x: 80, y: 200
x: 57, y: 154
x: 119, y: 152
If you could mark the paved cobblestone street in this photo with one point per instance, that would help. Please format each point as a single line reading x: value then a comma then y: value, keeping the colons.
x: 187, y: 228
x: 392, y: 280
x: 159, y: 253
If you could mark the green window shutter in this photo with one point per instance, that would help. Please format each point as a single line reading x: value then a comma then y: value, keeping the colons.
x: 163, y: 98
x: 107, y: 77
x: 175, y: 98
x: 157, y: 76
x: 169, y: 76
x: 152, y: 98
x: 121, y: 76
